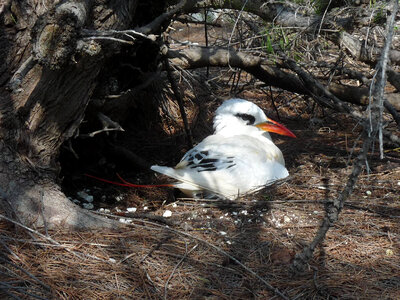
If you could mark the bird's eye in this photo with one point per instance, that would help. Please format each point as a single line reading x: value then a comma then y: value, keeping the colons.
x: 246, y: 117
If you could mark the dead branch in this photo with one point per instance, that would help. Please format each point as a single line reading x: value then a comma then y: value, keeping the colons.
x: 157, y: 24
x: 372, y: 127
x: 188, y: 21
x: 178, y: 97
x: 359, y: 50
x: 125, y: 35
x: 325, y: 98
x: 198, y: 57
x: 392, y: 110
x: 108, y: 125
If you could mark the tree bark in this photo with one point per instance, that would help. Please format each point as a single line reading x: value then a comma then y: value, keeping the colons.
x: 43, y: 104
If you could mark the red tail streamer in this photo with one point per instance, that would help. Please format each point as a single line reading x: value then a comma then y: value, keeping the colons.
x: 128, y: 184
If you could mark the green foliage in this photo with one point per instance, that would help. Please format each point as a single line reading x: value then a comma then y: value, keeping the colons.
x: 380, y: 16
x: 319, y: 6
x: 267, y: 44
x: 275, y: 38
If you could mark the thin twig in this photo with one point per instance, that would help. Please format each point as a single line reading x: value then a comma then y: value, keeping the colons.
x: 30, y: 230
x: 4, y: 288
x: 26, y: 272
x: 174, y: 269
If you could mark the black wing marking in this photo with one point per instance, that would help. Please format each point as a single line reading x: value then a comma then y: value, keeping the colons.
x: 203, y: 161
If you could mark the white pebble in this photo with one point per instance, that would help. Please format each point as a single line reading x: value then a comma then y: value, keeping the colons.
x: 222, y: 233
x: 167, y: 213
x: 229, y: 242
x: 131, y: 209
x: 244, y: 212
x: 369, y: 193
x: 119, y: 198
x: 286, y: 219
x: 145, y: 208
x: 174, y: 204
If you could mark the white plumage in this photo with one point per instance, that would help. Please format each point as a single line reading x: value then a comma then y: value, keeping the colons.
x: 237, y: 159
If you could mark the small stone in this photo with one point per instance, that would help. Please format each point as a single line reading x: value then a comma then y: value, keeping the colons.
x: 369, y: 193
x: 125, y: 221
x: 88, y: 205
x: 222, y: 233
x: 85, y: 196
x: 389, y: 252
x: 131, y: 209
x: 286, y: 219
x: 167, y: 214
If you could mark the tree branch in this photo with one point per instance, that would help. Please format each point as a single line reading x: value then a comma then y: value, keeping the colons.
x: 371, y: 128
x: 156, y: 25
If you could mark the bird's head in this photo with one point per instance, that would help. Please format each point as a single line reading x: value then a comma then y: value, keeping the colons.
x: 239, y: 116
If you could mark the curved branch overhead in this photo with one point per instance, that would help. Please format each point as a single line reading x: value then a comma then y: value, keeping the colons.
x: 199, y: 57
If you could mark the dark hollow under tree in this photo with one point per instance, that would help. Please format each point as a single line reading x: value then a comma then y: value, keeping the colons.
x: 49, y: 73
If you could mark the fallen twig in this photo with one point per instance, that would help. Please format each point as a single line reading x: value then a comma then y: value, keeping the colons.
x: 174, y: 269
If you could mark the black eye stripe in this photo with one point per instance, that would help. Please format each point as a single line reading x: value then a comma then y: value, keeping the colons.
x: 246, y: 117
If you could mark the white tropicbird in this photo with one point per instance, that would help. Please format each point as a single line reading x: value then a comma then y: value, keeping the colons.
x: 237, y: 159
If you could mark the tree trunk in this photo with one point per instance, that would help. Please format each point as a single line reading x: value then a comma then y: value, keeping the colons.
x: 44, y: 102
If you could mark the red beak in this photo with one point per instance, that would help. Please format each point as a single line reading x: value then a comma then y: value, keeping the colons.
x: 275, y: 127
